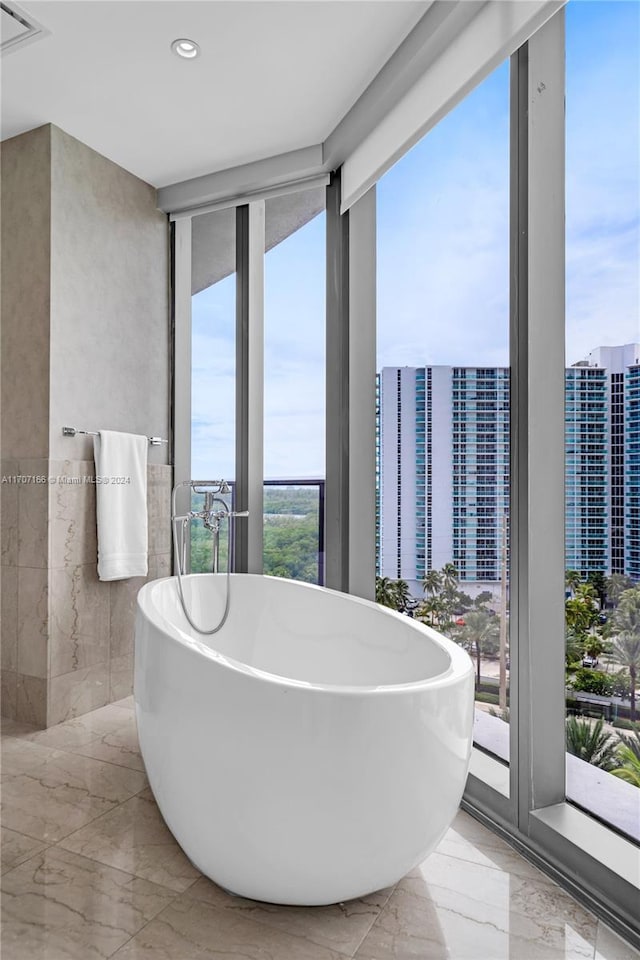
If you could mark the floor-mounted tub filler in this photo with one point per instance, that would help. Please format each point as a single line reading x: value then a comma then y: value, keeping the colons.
x: 314, y: 750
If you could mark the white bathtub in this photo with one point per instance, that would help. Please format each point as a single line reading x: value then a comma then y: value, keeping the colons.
x: 312, y: 751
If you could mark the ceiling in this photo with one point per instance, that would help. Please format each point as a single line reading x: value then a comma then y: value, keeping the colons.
x: 273, y: 76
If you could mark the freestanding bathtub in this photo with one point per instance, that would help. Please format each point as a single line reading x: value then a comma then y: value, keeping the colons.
x: 312, y: 751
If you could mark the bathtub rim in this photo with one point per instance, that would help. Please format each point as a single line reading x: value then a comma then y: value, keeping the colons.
x: 460, y: 664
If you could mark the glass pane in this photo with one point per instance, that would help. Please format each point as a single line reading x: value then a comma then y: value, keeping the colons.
x: 602, y: 411
x: 213, y: 373
x: 293, y: 531
x: 443, y: 390
x: 294, y: 385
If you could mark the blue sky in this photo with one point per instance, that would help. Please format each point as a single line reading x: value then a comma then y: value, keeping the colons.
x: 443, y: 253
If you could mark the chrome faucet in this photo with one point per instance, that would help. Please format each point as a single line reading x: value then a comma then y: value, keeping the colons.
x: 214, y: 511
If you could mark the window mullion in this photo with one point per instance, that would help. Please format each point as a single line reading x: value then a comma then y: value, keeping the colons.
x: 181, y: 426
x: 248, y: 533
x: 541, y: 661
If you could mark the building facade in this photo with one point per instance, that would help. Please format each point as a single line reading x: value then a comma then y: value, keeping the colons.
x: 442, y: 469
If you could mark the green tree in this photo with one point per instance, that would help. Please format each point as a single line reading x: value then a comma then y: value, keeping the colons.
x: 449, y: 576
x: 432, y: 583
x: 402, y: 595
x: 572, y: 580
x: 628, y: 754
x: 589, y: 742
x: 291, y: 548
x: 431, y: 611
x: 598, y: 581
x: 580, y: 614
x: 574, y: 648
x: 480, y: 633
x: 594, y: 681
x: 392, y: 593
x: 625, y: 626
x: 593, y: 645
x: 483, y: 598
x: 384, y: 592
x: 464, y: 601
x: 616, y: 585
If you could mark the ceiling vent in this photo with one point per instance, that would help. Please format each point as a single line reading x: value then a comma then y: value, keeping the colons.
x: 17, y: 28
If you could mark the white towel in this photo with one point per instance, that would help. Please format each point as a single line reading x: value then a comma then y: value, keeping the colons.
x: 121, y: 504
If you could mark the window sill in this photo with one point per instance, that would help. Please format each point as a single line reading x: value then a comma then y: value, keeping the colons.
x: 490, y: 771
x: 596, y: 840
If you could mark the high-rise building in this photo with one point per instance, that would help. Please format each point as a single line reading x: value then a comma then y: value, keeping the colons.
x: 632, y: 471
x: 442, y: 468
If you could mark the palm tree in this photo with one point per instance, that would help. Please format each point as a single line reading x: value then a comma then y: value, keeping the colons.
x: 588, y: 742
x: 625, y: 626
x: 432, y: 583
x: 586, y: 591
x: 385, y: 592
x: 628, y: 754
x: 450, y: 576
x: 580, y: 615
x: 572, y: 580
x: 574, y: 649
x: 431, y: 611
x: 480, y: 631
x: 401, y: 591
x: 392, y: 593
x: 598, y: 581
x: 616, y: 585
x: 483, y: 598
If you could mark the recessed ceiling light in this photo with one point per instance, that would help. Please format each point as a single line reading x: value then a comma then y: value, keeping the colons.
x: 185, y: 48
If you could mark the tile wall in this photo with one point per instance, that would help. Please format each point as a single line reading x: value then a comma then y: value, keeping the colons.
x: 85, y: 341
x: 67, y: 638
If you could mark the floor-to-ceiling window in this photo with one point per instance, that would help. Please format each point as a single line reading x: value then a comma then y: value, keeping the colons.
x: 213, y: 368
x: 294, y: 386
x: 602, y: 376
x: 443, y: 398
x: 471, y: 463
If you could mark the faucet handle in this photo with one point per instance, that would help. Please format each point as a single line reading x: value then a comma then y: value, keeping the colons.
x: 239, y: 513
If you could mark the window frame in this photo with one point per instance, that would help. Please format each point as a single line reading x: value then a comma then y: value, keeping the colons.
x: 525, y: 802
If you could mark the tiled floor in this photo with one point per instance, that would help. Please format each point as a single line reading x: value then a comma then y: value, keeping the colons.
x: 90, y: 871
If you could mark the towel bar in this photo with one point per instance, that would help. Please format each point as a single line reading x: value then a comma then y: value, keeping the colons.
x: 72, y: 431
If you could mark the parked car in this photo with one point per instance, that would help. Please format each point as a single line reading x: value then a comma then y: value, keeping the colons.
x: 589, y: 661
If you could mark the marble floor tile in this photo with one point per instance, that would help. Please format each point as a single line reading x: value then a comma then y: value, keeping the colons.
x: 59, y: 905
x: 191, y: 930
x: 135, y: 838
x: 609, y: 946
x: 341, y: 926
x: 119, y: 746
x: 14, y: 728
x: 116, y: 884
x: 531, y: 907
x: 21, y: 754
x: 15, y: 848
x: 446, y: 908
x: 414, y: 928
x: 409, y: 928
x: 47, y: 794
x: 469, y: 840
x: 83, y: 730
